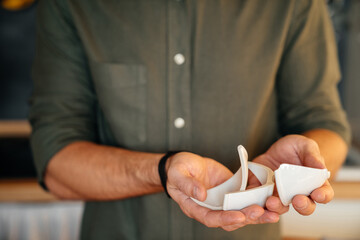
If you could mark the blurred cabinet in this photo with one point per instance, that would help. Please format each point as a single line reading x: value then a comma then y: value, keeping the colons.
x: 17, y: 50
x: 345, y: 15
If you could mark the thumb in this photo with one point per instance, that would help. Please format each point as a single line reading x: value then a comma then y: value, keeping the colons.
x: 189, y: 186
x: 314, y: 161
x: 311, y: 155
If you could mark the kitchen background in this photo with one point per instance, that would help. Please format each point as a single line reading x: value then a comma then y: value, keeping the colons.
x: 26, y: 212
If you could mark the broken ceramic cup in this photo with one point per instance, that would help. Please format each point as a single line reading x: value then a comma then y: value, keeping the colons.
x: 292, y: 180
x: 231, y: 195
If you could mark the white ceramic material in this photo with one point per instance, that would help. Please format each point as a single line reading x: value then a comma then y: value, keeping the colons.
x: 258, y: 195
x: 292, y: 180
x: 231, y: 195
x: 244, y: 166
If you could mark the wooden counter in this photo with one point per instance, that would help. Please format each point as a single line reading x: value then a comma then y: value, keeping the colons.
x: 346, y: 190
x: 23, y: 190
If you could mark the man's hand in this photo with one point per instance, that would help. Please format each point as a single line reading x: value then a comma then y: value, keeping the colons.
x: 189, y: 175
x: 298, y: 150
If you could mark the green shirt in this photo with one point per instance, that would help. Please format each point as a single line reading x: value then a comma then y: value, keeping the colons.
x: 201, y: 76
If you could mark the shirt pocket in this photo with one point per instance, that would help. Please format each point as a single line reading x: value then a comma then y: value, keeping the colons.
x: 121, y: 92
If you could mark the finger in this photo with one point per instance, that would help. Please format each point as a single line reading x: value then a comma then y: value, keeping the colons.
x: 274, y: 204
x: 233, y: 227
x: 253, y: 213
x: 323, y: 194
x: 224, y: 218
x: 311, y: 156
x: 188, y: 185
x: 252, y: 181
x: 211, y: 218
x: 303, y: 205
x: 269, y: 217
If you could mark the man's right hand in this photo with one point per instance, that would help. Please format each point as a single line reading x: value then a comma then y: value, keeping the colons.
x: 190, y: 175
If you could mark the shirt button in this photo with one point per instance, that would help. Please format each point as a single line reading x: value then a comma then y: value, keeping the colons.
x: 179, y: 123
x: 179, y: 59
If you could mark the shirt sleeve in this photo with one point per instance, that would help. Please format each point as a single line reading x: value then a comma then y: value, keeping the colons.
x: 308, y: 74
x: 63, y: 100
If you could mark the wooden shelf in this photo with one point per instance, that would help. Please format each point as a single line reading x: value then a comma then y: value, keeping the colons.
x: 15, y: 128
x: 346, y: 190
x: 23, y: 190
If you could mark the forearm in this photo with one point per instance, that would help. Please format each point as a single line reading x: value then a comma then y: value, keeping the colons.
x: 88, y: 171
x: 332, y: 147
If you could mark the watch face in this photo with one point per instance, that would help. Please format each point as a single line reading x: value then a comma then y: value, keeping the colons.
x: 15, y: 5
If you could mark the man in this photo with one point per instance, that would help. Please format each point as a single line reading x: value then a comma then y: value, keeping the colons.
x: 120, y: 83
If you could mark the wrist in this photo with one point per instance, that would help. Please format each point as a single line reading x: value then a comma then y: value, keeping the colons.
x: 155, y: 178
x: 163, y: 167
x: 143, y: 169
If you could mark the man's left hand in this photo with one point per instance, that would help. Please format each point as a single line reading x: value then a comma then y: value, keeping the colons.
x: 298, y: 150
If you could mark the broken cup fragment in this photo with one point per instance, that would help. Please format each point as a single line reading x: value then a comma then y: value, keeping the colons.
x: 231, y: 195
x: 290, y: 179
x: 258, y: 195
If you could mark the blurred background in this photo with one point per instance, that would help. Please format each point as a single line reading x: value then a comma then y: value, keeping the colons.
x: 27, y: 212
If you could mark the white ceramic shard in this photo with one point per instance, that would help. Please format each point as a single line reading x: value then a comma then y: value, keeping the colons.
x: 258, y: 195
x: 292, y: 180
x: 215, y: 195
x: 231, y: 195
x: 244, y: 166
